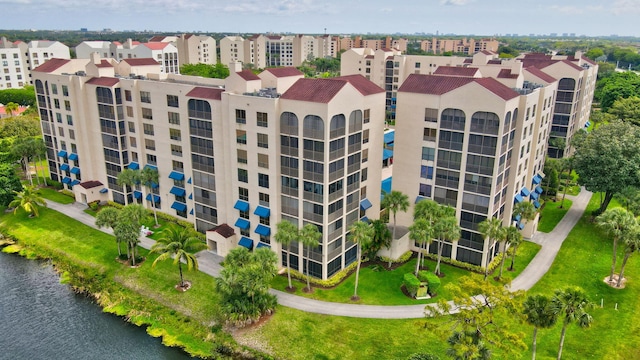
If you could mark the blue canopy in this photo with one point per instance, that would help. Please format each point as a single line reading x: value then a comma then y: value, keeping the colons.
x: 536, y: 204
x: 75, y: 182
x: 263, y: 230
x: 189, y: 181
x: 190, y: 196
x: 75, y: 170
x: 386, y: 185
x: 389, y: 137
x: 66, y: 180
x: 525, y: 191
x: 152, y: 167
x: 73, y: 156
x: 242, y: 223
x: 520, y: 225
x: 104, y: 190
x: 241, y: 205
x: 64, y: 167
x: 156, y: 198
x: 62, y: 153
x: 176, y: 175
x: 536, y: 179
x: 137, y: 194
x: 191, y: 212
x: 246, y: 242
x: 154, y: 185
x: 365, y: 204
x: 517, y: 218
x: 386, y: 154
x: 179, y: 206
x: 535, y: 195
x: 261, y: 245
x: 262, y: 211
x: 539, y: 190
x: 365, y: 219
x: 133, y: 166
x: 420, y: 198
x: 518, y: 198
x: 177, y: 191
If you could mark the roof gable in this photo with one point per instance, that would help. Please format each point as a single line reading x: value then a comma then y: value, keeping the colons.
x: 284, y: 71
x: 141, y: 61
x: 51, y: 65
x: 156, y: 45
x: 248, y: 75
x: 540, y: 74
x: 364, y: 86
x: 456, y: 71
x: 314, y: 90
x: 103, y: 81
x: 432, y: 85
x: 206, y: 93
x: 497, y: 88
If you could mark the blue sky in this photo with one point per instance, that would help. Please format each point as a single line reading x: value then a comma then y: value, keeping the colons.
x: 480, y: 17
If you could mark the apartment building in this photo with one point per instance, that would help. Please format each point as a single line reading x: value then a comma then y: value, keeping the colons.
x: 458, y: 46
x: 388, y: 43
x: 17, y: 58
x: 196, y: 49
x: 166, y: 53
x: 235, y: 156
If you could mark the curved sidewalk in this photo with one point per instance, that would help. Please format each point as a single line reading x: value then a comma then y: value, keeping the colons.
x: 209, y: 263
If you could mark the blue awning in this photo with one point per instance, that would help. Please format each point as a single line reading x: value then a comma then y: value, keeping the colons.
x: 262, y: 211
x: 365, y: 219
x: 524, y: 191
x: 389, y: 137
x: 242, y: 223
x: 191, y: 212
x: 520, y: 225
x: 539, y: 190
x: 133, y: 166
x: 75, y: 170
x: 261, y: 245
x: 365, y: 204
x: 137, y: 194
x: 154, y: 185
x: 536, y: 204
x: 386, y: 185
x: 64, y: 167
x: 536, y: 179
x: 190, y: 196
x: 246, y: 242
x: 66, y: 180
x: 518, y: 198
x: 535, y: 195
x: 263, y: 230
x: 62, y: 153
x: 189, y: 181
x: 178, y: 191
x: 517, y: 218
x: 386, y: 154
x: 176, y: 175
x: 587, y: 124
x: 104, y: 190
x: 75, y: 182
x: 420, y: 198
x: 73, y: 156
x: 152, y: 167
x: 241, y: 205
x: 179, y: 206
x: 156, y: 198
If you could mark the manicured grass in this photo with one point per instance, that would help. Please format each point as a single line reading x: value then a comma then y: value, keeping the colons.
x: 54, y: 195
x: 552, y: 214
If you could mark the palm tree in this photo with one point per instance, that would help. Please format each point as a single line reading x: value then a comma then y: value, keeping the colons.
x: 537, y: 312
x: 149, y: 179
x: 631, y: 244
x: 616, y: 222
x: 395, y: 201
x: 429, y: 210
x: 128, y: 178
x: 571, y: 304
x: 381, y: 238
x: 421, y: 232
x: 490, y: 228
x: 11, y: 108
x: 360, y: 233
x: 285, y: 235
x: 128, y: 227
x: 525, y: 209
x: 447, y: 228
x: 180, y: 244
x: 309, y: 237
x: 108, y: 217
x: 513, y: 238
x: 29, y: 199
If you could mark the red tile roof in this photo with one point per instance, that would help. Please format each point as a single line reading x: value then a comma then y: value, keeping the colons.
x: 364, y: 86
x: 51, y: 65
x: 104, y: 64
x: 369, y: 57
x: 439, y: 85
x: 284, y: 71
x: 324, y: 90
x: 573, y: 65
x: 274, y: 37
x: 494, y: 62
x: 540, y: 74
x: 224, y: 230
x: 206, y: 93
x: 487, y: 52
x: 90, y: 184
x: 156, y: 45
x: 456, y: 71
x: 21, y: 109
x: 157, y: 38
x: 141, y: 61
x: 497, y: 88
x: 103, y: 81
x: 248, y: 75
x: 584, y: 58
x: 506, y: 74
x: 468, y: 61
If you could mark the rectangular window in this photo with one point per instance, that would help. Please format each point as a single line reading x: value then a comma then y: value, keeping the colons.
x: 147, y: 114
x: 243, y: 175
x: 56, y: 103
x: 263, y: 161
x: 176, y: 150
x: 428, y: 153
x: 145, y: 97
x: 177, y: 165
x: 264, y: 201
x: 263, y: 141
x: 365, y: 136
x: 149, y: 144
x: 174, y: 134
x: 65, y: 90
x: 127, y: 95
x: 54, y: 87
x: 263, y: 180
x: 132, y: 127
x: 243, y: 194
x: 241, y: 116
x: 174, y: 118
x: 429, y: 134
x: 242, y: 156
x: 129, y: 111
x: 148, y: 129
x: 262, y: 119
x: 431, y: 115
x: 133, y: 142
x: 172, y: 101
x: 367, y: 116
x: 241, y: 137
x: 69, y: 120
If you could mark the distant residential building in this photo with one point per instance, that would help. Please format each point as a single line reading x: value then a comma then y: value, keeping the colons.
x: 196, y: 49
x: 458, y: 46
x: 166, y: 53
x: 17, y: 59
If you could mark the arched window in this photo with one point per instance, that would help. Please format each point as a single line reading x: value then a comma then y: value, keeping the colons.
x: 104, y: 95
x: 485, y: 123
x: 289, y: 123
x: 355, y: 121
x: 514, y: 119
x: 566, y: 84
x: 507, y: 121
x: 199, y: 109
x: 313, y: 127
x: 39, y: 87
x: 337, y: 126
x: 453, y: 119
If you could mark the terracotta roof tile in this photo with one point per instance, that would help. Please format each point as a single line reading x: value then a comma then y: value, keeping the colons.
x: 248, y: 75
x: 439, y: 85
x: 314, y: 90
x: 497, y: 88
x: 487, y: 52
x: 495, y: 62
x: 104, y: 64
x: 364, y: 86
x: 540, y: 74
x: 456, y: 71
x: 468, y: 61
x: 584, y: 58
x: 141, y: 61
x: 156, y: 45
x: 103, y: 81
x: 224, y: 230
x: 284, y: 71
x: 51, y: 65
x: 157, y: 38
x: 90, y: 184
x: 506, y: 74
x: 206, y: 93
x: 573, y: 65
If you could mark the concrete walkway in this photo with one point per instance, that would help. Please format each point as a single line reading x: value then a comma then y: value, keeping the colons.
x: 209, y: 263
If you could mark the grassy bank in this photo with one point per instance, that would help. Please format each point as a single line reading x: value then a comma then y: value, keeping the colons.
x: 551, y: 214
x: 144, y: 296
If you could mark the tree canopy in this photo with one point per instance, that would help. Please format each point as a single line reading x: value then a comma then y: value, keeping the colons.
x: 619, y: 85
x: 218, y: 71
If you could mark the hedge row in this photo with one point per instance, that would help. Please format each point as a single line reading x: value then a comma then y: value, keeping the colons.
x: 463, y: 265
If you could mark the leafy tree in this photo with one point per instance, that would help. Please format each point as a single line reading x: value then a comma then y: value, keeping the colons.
x: 616, y: 222
x: 421, y: 232
x: 537, y: 313
x: 514, y: 239
x: 360, y: 233
x: 558, y: 144
x: 599, y: 117
x: 218, y: 71
x: 476, y: 319
x: 11, y: 108
x: 286, y: 234
x: 491, y: 229
x: 631, y: 245
x: 25, y: 96
x: 594, y: 53
x: 243, y: 285
x: 180, y: 244
x: 571, y: 305
x: 609, y: 166
x: 627, y: 109
x: 28, y: 199
x: 128, y: 228
x: 381, y: 238
x: 108, y: 217
x: 128, y: 178
x: 309, y: 237
x: 446, y: 229
x: 24, y: 149
x: 149, y: 179
x: 27, y: 125
x: 630, y: 198
x: 9, y: 184
x: 617, y: 86
x: 395, y: 201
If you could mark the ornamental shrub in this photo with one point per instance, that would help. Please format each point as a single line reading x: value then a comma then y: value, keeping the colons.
x: 433, y: 282
x: 411, y: 283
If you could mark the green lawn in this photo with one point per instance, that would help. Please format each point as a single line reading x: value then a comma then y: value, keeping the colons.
x: 54, y: 195
x: 551, y: 214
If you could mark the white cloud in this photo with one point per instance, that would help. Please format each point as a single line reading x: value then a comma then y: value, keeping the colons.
x: 455, y: 2
x: 625, y: 7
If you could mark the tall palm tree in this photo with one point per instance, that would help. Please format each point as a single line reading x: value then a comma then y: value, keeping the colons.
x: 149, y: 177
x: 525, y: 209
x: 492, y: 229
x: 447, y: 228
x: 128, y: 178
x: 429, y: 210
x: 29, y: 199
x: 11, y: 108
x: 108, y: 217
x: 395, y: 201
x: 571, y: 305
x: 128, y: 227
x: 421, y: 232
x: 381, y: 238
x: 631, y: 242
x: 178, y: 243
x: 309, y: 237
x: 360, y: 233
x: 286, y: 234
x: 537, y: 312
x: 616, y: 222
x: 513, y: 238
